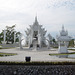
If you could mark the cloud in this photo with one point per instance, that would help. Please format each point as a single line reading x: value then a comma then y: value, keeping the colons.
x: 51, y: 14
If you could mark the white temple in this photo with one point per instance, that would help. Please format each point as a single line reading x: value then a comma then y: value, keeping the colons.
x: 36, y: 35
x: 63, y: 41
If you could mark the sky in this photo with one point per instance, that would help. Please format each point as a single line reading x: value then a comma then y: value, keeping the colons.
x: 52, y: 14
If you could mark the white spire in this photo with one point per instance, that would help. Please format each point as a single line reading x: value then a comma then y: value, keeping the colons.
x: 36, y: 22
x: 36, y: 19
x: 63, y: 32
x: 62, y: 27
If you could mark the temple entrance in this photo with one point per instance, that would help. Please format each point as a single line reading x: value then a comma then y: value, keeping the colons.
x: 35, y: 35
x: 35, y: 39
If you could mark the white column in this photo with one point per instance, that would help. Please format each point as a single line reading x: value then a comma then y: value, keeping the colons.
x: 31, y: 36
x: 39, y: 40
x: 48, y: 44
x: 4, y: 36
x: 20, y: 42
x: 62, y: 48
x: 14, y: 37
x: 66, y: 43
x: 29, y: 41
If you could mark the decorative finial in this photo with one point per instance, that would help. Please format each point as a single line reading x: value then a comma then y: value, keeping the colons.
x: 63, y: 27
x: 35, y: 18
x: 36, y: 22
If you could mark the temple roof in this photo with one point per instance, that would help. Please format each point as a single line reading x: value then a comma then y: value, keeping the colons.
x: 63, y: 32
x: 63, y: 35
x: 64, y: 38
x: 36, y: 27
x: 36, y: 21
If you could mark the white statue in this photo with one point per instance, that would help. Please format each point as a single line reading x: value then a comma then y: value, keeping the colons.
x: 63, y: 40
x: 49, y: 37
x: 48, y: 43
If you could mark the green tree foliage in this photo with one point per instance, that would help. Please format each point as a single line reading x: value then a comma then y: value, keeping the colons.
x: 1, y: 37
x: 71, y: 43
x: 54, y: 40
x: 10, y: 30
x: 10, y: 34
x: 17, y: 35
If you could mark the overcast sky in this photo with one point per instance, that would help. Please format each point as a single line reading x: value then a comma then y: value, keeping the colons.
x: 51, y: 14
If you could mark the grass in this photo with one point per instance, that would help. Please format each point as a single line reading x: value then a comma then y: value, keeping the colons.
x: 36, y: 63
x: 0, y: 47
x: 55, y: 47
x: 7, y: 48
x: 7, y: 54
x: 63, y: 53
x: 72, y: 49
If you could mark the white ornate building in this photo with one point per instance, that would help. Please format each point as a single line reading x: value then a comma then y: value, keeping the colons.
x: 36, y: 34
x: 63, y: 41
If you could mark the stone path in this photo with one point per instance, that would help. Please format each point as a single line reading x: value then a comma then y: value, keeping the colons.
x: 36, y: 55
x: 37, y: 70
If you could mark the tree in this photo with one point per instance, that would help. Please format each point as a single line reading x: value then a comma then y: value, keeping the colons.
x: 10, y: 34
x: 1, y: 37
x: 17, y: 36
x: 71, y: 43
x: 54, y: 40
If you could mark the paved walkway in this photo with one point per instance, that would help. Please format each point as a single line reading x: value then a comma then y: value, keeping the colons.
x: 36, y: 55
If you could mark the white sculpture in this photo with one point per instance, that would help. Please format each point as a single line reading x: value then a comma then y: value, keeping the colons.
x: 39, y: 40
x: 63, y: 40
x: 49, y: 37
x: 48, y: 43
x: 48, y: 40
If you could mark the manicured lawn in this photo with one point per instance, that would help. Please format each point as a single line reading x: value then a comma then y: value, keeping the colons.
x: 63, y: 53
x: 72, y: 49
x: 6, y: 48
x: 7, y: 54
